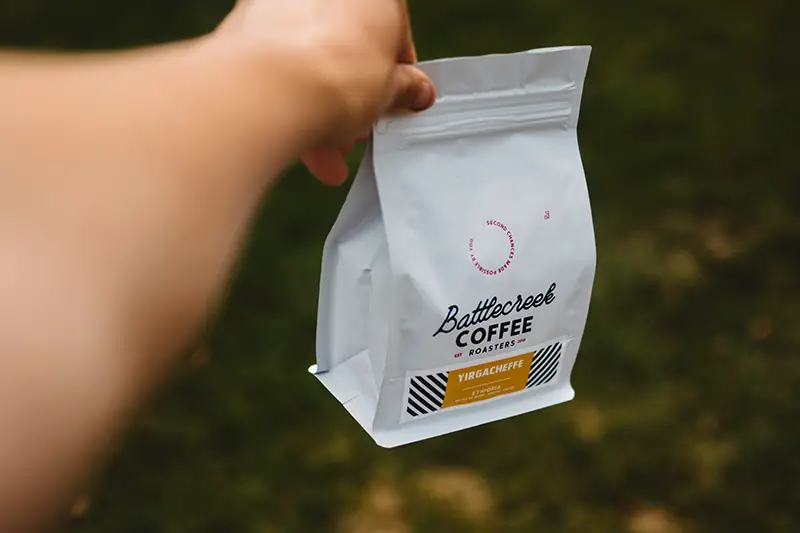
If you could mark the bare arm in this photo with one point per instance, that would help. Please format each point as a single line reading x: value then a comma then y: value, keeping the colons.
x: 126, y: 184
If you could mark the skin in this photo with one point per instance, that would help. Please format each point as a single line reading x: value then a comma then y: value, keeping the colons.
x: 127, y: 183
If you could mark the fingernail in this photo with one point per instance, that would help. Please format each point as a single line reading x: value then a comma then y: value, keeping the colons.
x: 426, y: 96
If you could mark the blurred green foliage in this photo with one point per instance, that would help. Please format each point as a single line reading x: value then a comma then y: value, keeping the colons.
x: 688, y: 410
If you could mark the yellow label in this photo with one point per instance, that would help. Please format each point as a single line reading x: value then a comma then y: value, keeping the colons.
x: 481, y: 382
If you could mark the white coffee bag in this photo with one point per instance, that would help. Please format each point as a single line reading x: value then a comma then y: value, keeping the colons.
x: 456, y: 281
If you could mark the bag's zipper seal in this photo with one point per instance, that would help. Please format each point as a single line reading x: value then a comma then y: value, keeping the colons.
x: 485, y: 113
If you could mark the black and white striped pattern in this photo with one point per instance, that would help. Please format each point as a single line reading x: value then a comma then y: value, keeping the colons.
x: 544, y: 366
x: 426, y: 394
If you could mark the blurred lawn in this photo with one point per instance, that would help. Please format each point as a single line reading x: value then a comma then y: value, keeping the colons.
x: 688, y: 381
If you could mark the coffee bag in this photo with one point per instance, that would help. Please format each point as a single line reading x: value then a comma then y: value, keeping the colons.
x: 456, y: 281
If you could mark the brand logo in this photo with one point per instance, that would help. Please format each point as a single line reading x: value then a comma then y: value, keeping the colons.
x: 492, y: 249
x: 500, y: 333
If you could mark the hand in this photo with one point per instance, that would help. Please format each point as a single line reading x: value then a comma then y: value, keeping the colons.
x: 361, y: 52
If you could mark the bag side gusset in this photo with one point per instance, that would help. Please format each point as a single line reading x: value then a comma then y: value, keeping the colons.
x: 350, y: 253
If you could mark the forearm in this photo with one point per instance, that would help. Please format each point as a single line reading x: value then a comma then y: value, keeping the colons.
x: 126, y: 182
x: 146, y: 160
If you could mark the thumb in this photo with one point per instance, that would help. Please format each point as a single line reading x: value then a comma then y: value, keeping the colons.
x: 411, y: 90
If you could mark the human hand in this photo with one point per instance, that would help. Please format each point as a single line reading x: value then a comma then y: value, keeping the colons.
x: 360, y: 53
